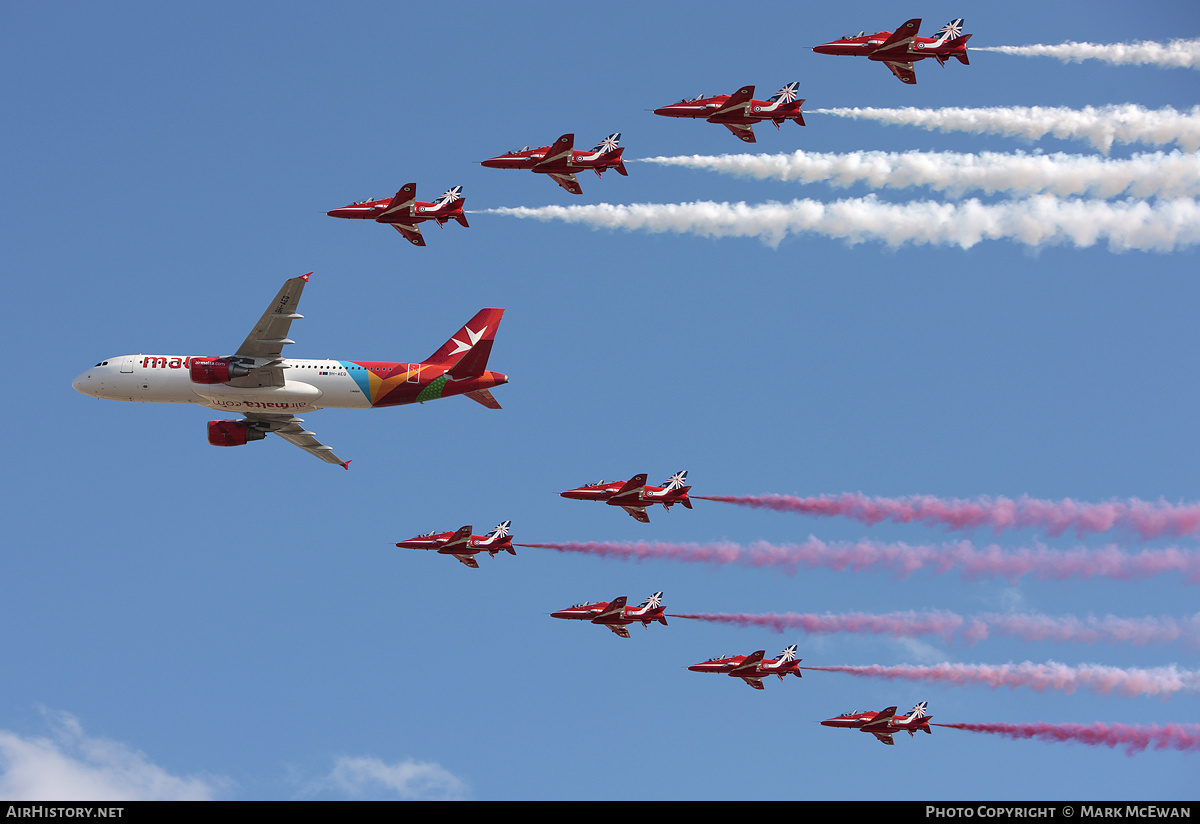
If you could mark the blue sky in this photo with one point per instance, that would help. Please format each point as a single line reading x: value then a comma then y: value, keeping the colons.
x: 236, y: 623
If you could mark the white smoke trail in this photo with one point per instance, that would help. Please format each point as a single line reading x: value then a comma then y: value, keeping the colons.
x: 1039, y: 221
x: 1102, y: 125
x: 1176, y: 54
x: 1156, y: 174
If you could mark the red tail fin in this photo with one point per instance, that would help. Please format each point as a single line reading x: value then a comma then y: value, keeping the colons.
x: 467, y: 352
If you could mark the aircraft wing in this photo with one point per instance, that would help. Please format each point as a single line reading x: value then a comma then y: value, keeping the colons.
x: 741, y: 131
x: 638, y: 513
x: 634, y: 486
x: 750, y: 664
x: 903, y: 36
x: 469, y: 560
x: 615, y: 607
x: 736, y: 102
x: 411, y: 233
x: 619, y: 630
x: 880, y: 719
x: 560, y: 152
x: 568, y: 182
x: 401, y: 203
x: 270, y: 335
x: 459, y: 540
x: 904, y: 71
x: 885, y: 737
x: 754, y: 682
x: 288, y: 427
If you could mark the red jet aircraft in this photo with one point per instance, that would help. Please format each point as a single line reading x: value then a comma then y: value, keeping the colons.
x: 615, y: 615
x: 561, y: 161
x: 739, y: 111
x: 404, y: 211
x: 634, y: 496
x: 883, y: 724
x: 751, y: 668
x: 462, y: 544
x: 898, y: 50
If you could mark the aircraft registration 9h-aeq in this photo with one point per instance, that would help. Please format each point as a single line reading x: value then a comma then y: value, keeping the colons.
x: 269, y: 390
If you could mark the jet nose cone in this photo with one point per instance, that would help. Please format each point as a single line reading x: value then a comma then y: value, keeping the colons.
x: 493, y: 162
x: 81, y: 384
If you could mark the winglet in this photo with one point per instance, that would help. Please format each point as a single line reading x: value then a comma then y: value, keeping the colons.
x: 346, y: 464
x: 305, y: 277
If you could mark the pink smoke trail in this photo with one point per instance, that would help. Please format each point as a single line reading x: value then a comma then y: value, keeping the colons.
x: 1134, y: 738
x: 951, y: 627
x: 1159, y: 681
x: 1147, y: 519
x: 903, y: 559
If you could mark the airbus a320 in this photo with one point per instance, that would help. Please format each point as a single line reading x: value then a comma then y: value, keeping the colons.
x: 270, y: 390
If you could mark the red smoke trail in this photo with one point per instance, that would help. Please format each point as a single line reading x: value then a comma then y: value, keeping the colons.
x: 1147, y: 519
x: 904, y: 559
x: 1134, y: 738
x: 952, y: 627
x: 1160, y: 681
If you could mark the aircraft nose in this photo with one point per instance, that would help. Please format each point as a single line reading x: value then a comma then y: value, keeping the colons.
x: 81, y: 383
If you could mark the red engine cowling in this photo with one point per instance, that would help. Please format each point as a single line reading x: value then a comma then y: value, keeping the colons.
x: 215, y: 370
x: 233, y: 433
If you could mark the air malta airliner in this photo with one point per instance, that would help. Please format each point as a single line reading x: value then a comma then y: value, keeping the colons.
x: 269, y: 390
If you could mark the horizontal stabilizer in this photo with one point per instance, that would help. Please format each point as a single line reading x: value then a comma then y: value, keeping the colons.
x: 484, y: 397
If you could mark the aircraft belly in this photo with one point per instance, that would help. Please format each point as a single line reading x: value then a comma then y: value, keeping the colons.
x: 287, y: 399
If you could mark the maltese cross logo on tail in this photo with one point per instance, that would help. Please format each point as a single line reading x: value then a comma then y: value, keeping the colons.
x: 472, y: 336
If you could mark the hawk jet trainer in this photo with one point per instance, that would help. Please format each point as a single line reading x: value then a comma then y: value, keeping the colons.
x: 898, y: 50
x: 270, y: 390
x: 739, y: 111
x: 561, y: 160
x: 463, y: 545
x: 882, y: 724
x: 615, y: 614
x: 403, y: 212
x: 753, y: 667
x: 634, y: 496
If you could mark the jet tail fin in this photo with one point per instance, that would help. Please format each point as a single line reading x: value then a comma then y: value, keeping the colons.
x: 685, y: 500
x: 462, y: 219
x: 466, y: 353
x: 961, y: 41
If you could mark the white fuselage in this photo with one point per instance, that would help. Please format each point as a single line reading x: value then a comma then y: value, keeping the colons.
x: 309, y: 385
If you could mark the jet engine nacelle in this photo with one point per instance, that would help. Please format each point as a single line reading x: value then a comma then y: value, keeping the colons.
x: 233, y: 433
x: 215, y: 370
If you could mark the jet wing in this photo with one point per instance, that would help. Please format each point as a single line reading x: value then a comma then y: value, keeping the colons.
x: 615, y: 607
x: 903, y: 36
x: 411, y: 233
x: 750, y: 664
x: 568, y: 182
x: 880, y: 719
x: 288, y: 427
x: 633, y: 487
x: 559, y: 153
x: 885, y: 737
x: 741, y: 131
x: 904, y: 71
x: 736, y: 102
x: 469, y: 560
x: 459, y: 540
x: 754, y: 682
x: 270, y: 335
x: 638, y: 513
x: 401, y: 203
x: 619, y: 630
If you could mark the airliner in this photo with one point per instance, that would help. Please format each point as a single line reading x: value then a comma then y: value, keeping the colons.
x: 269, y: 390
